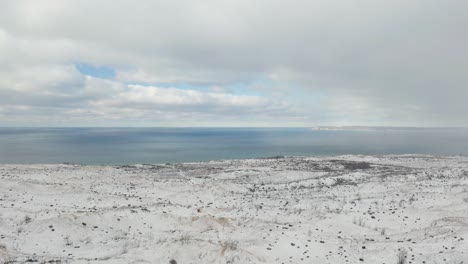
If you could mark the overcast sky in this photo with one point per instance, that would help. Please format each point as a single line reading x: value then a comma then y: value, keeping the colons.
x: 233, y: 63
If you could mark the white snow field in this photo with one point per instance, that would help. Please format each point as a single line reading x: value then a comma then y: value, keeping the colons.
x: 343, y: 209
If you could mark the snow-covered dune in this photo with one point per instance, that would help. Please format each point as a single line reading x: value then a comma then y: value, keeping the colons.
x: 346, y: 209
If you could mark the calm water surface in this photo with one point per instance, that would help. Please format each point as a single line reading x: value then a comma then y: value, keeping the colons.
x: 161, y: 145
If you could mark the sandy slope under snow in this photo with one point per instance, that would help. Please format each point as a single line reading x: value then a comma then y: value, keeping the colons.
x: 347, y: 209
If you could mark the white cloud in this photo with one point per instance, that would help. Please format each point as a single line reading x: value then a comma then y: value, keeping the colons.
x: 157, y: 97
x: 371, y: 62
x: 60, y: 95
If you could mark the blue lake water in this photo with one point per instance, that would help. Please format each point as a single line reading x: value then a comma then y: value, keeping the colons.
x: 161, y: 145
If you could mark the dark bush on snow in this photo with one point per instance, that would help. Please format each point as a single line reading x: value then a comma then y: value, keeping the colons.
x: 357, y: 165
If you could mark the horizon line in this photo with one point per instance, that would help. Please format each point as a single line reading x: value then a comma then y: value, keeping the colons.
x: 309, y: 127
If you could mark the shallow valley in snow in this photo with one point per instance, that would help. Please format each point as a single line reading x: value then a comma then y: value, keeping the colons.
x: 343, y: 209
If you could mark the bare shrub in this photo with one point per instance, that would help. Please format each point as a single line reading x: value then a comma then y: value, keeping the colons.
x: 402, y: 255
x: 10, y: 260
x: 230, y: 244
x: 185, y: 238
x: 67, y: 241
x: 27, y: 219
x: 359, y: 222
x: 383, y: 231
x: 341, y: 181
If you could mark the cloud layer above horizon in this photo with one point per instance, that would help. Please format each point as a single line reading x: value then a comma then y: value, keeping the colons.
x: 233, y: 63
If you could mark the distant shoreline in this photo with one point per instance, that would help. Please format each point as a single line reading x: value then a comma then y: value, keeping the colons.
x: 385, y: 128
x: 238, y: 127
x: 278, y: 157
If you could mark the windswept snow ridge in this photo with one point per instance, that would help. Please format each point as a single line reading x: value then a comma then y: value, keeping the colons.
x: 346, y: 209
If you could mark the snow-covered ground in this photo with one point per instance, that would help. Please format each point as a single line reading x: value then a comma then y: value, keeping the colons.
x: 346, y: 209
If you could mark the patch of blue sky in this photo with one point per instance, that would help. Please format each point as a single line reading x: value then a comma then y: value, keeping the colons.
x: 262, y: 86
x: 102, y: 72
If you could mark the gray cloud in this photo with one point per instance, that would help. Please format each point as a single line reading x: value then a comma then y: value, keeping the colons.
x: 360, y: 62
